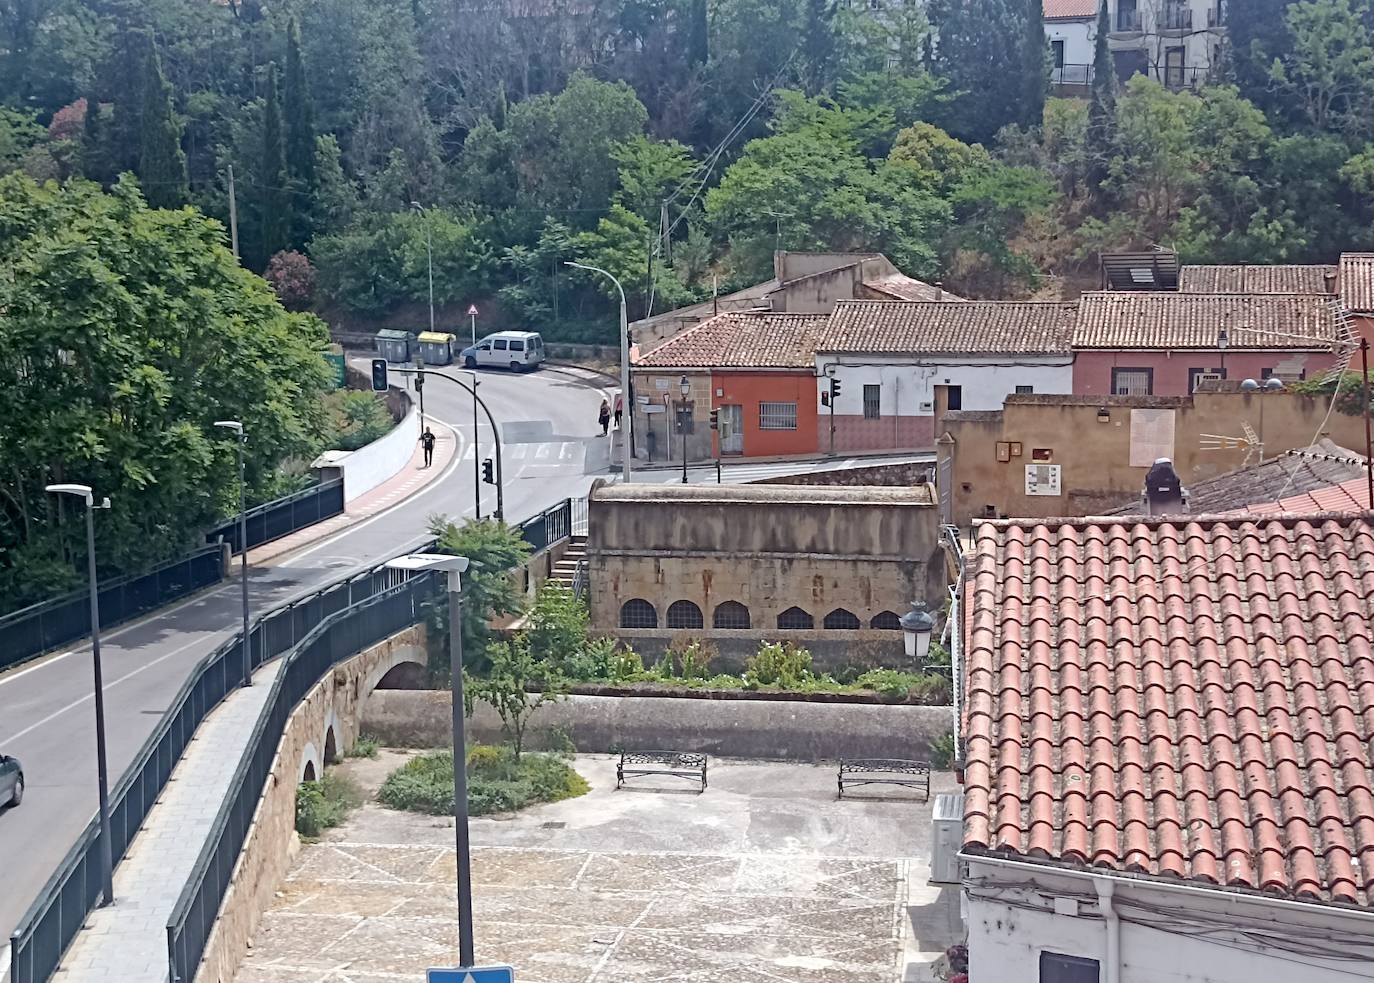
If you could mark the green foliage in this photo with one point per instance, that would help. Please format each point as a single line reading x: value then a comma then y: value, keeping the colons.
x: 516, y: 685
x: 19, y: 135
x: 162, y: 165
x: 1327, y: 73
x: 499, y: 780
x: 780, y: 664
x: 326, y: 803
x: 357, y: 419
x: 493, y: 549
x: 942, y: 752
x: 274, y: 211
x: 983, y: 52
x: 366, y: 746
x: 300, y: 133
x: 1100, y: 138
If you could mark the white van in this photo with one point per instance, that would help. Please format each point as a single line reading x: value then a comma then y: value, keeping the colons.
x: 515, y: 350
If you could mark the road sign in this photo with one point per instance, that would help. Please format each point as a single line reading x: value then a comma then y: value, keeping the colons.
x: 472, y: 310
x: 473, y: 974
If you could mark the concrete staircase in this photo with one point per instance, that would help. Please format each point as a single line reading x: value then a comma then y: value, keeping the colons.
x: 565, y: 570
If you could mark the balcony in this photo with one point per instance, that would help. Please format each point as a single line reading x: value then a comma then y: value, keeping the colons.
x: 1214, y: 18
x: 1178, y: 78
x: 1071, y: 76
x: 1127, y: 22
x: 1177, y: 18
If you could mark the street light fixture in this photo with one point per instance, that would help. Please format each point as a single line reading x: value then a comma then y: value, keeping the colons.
x: 237, y: 427
x: 429, y: 252
x: 626, y: 446
x: 84, y: 493
x: 686, y: 386
x: 454, y: 566
x: 917, y: 626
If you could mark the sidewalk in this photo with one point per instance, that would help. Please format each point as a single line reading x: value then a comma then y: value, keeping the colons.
x: 413, y: 477
x: 127, y: 941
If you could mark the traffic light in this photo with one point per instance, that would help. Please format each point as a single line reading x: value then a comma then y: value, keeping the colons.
x: 379, y: 375
x: 715, y: 419
x: 825, y: 397
x: 834, y: 387
x: 488, y: 472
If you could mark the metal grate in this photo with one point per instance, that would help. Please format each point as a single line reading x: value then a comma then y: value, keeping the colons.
x: 684, y: 614
x: 873, y: 401
x: 886, y: 621
x: 795, y: 619
x: 777, y: 416
x: 730, y: 614
x: 638, y: 613
x: 841, y: 620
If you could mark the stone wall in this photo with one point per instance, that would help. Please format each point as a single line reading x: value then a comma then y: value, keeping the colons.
x: 830, y: 650
x: 767, y: 729
x: 876, y: 476
x: 328, y: 716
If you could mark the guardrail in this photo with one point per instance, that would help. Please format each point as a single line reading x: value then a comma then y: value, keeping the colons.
x: 553, y: 525
x: 283, y: 516
x: 54, y: 918
x: 40, y: 627
x: 338, y: 637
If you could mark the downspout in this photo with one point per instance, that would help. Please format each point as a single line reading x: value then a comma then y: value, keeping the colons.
x: 1112, y: 962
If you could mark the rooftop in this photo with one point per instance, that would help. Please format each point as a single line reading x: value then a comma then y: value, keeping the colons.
x: 899, y: 286
x: 1351, y: 495
x: 742, y: 340
x: 779, y: 494
x: 1070, y: 9
x: 1357, y: 281
x: 971, y: 327
x: 1319, y: 280
x: 1167, y: 320
x: 1192, y: 701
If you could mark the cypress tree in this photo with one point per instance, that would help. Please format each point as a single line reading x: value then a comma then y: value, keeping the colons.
x: 698, y: 33
x: 161, y: 163
x: 1037, y: 65
x: 300, y: 134
x: 818, y: 45
x: 979, y: 48
x: 95, y: 150
x: 274, y: 198
x: 498, y: 115
x: 1101, y: 135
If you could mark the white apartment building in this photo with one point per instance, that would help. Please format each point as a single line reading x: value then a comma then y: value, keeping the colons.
x: 1177, y: 42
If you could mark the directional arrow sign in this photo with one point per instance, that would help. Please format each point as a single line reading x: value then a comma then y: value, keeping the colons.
x: 473, y: 974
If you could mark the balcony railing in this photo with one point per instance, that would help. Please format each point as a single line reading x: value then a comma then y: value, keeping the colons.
x: 1176, y: 78
x: 1072, y: 75
x: 1127, y: 21
x: 1178, y: 18
x: 1214, y: 18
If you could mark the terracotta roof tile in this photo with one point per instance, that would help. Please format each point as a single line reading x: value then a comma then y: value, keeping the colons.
x: 742, y: 340
x: 970, y: 327
x: 1186, y: 699
x: 1357, y: 281
x: 1070, y: 9
x: 899, y: 286
x: 1128, y: 319
x: 1348, y: 496
x: 1257, y: 280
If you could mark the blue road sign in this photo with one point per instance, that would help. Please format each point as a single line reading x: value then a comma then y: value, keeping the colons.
x: 473, y: 974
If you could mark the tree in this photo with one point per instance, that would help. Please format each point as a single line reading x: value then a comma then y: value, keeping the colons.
x: 274, y: 216
x: 516, y: 685
x: 818, y: 46
x: 292, y: 279
x: 300, y: 133
x: 982, y: 51
x: 1101, y: 133
x: 648, y: 171
x: 161, y: 164
x: 1257, y: 33
x: 493, y: 549
x: 698, y: 33
x: 1328, y: 72
x: 1035, y: 67
x: 95, y: 150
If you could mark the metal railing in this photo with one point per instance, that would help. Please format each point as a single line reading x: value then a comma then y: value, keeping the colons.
x: 553, y: 525
x: 40, y: 627
x: 1127, y: 21
x: 283, y: 516
x: 1177, y: 18
x: 340, y: 636
x: 54, y: 918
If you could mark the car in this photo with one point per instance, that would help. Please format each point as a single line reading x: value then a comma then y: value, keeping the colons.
x: 11, y: 781
x: 516, y: 350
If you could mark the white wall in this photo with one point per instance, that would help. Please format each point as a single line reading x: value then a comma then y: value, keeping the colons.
x: 378, y: 462
x: 1077, y: 36
x: 908, y: 384
x: 1008, y: 934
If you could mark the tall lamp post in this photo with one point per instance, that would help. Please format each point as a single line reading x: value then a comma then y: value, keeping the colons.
x: 84, y: 493
x: 682, y: 418
x: 237, y: 427
x: 627, y: 446
x: 454, y: 566
x: 429, y: 252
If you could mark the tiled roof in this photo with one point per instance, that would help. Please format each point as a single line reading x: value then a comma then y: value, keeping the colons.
x: 1348, y: 496
x: 1308, y: 469
x: 742, y: 340
x: 1257, y: 280
x: 1357, y: 281
x: 1069, y: 9
x: 972, y: 327
x: 899, y: 286
x: 1178, y: 320
x: 1191, y: 700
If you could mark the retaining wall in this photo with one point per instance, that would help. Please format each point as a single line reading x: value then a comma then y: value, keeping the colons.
x: 776, y: 730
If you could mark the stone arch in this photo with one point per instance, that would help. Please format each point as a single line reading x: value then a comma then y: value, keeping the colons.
x: 795, y: 619
x: 331, y: 746
x: 638, y: 613
x: 684, y: 614
x: 311, y: 767
x: 841, y: 619
x: 886, y: 621
x: 730, y: 614
x: 409, y: 659
x: 404, y: 675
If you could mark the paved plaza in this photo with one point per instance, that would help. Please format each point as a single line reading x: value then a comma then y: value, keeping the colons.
x: 764, y: 877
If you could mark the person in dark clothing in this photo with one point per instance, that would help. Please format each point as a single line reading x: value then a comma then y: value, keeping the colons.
x: 604, y: 418
x: 619, y: 409
x: 427, y: 441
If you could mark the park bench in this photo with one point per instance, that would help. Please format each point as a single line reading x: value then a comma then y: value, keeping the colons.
x: 676, y: 764
x: 885, y: 771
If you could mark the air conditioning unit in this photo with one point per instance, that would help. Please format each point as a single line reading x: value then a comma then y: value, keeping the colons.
x: 947, y: 836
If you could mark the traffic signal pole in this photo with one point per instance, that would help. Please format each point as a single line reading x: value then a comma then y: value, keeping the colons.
x: 500, y: 513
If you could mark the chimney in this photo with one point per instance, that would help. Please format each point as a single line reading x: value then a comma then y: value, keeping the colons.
x: 1163, y: 491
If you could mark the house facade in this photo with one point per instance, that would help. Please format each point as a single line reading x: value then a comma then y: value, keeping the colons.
x: 1177, y: 42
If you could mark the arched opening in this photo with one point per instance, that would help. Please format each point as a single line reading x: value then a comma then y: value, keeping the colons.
x: 730, y: 614
x: 841, y: 620
x: 795, y: 619
x: 684, y: 614
x: 404, y: 675
x: 886, y: 621
x: 331, y: 748
x: 308, y: 775
x: 638, y: 613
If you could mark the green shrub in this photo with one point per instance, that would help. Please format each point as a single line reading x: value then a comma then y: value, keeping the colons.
x: 942, y: 752
x: 784, y: 665
x: 691, y: 658
x: 326, y: 803
x: 364, y: 747
x: 498, y: 781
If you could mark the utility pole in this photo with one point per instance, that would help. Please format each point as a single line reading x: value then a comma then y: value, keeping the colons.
x: 233, y: 215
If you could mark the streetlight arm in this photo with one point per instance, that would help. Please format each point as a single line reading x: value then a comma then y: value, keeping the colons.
x: 597, y: 269
x: 495, y: 433
x: 626, y: 448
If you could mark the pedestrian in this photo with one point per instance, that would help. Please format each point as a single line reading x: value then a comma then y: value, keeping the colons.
x: 604, y: 418
x: 427, y: 441
x: 619, y: 409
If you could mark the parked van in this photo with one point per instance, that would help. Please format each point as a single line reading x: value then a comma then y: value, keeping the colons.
x: 515, y: 350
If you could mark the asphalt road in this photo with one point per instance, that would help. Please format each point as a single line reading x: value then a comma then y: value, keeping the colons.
x: 46, y: 712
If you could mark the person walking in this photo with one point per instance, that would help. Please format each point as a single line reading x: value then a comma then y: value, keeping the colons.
x: 619, y: 409
x: 604, y: 418
x: 427, y: 441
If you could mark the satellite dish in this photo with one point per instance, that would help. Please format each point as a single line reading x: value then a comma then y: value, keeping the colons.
x: 1249, y: 386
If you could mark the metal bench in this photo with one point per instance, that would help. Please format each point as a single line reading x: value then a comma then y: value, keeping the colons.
x: 885, y: 771
x: 676, y: 764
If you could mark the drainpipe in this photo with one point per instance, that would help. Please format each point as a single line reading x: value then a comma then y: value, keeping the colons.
x: 1112, y: 962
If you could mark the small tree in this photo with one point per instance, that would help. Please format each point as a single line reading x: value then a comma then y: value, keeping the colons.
x: 516, y: 686
x: 293, y: 279
x: 494, y: 549
x: 1101, y: 135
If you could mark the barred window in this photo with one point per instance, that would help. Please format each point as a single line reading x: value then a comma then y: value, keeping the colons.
x: 873, y: 401
x: 795, y: 619
x: 841, y: 620
x: 684, y: 614
x: 777, y: 416
x: 730, y: 614
x: 886, y: 621
x: 638, y: 613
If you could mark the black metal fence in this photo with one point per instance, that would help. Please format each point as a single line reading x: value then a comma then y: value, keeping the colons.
x: 54, y: 918
x: 339, y: 637
x: 567, y: 518
x: 283, y: 516
x: 35, y: 629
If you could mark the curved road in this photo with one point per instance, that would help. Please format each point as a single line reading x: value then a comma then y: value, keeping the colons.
x: 46, y: 716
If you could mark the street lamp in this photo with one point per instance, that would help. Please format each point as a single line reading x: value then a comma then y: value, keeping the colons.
x: 686, y: 386
x: 83, y: 492
x: 917, y: 626
x: 237, y: 427
x: 429, y: 251
x: 454, y: 566
x: 626, y: 446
